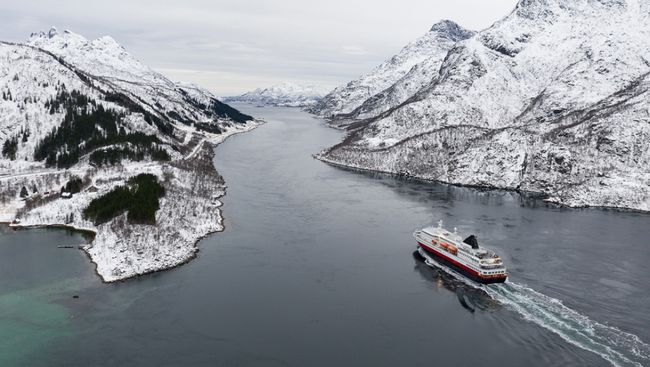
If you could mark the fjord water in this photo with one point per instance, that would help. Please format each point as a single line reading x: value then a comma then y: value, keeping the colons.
x: 316, y: 268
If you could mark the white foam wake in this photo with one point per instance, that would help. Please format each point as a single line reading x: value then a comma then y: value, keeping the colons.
x: 615, y: 346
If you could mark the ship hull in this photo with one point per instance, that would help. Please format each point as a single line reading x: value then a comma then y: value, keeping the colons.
x: 459, y: 267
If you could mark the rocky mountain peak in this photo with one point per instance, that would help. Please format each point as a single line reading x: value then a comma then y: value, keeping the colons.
x: 451, y: 30
x: 107, y: 42
x: 52, y: 32
x: 54, y: 39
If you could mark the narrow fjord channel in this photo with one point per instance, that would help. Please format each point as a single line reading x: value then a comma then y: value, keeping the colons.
x: 316, y: 267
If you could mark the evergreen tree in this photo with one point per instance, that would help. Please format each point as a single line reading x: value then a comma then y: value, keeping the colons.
x: 25, y: 135
x: 74, y: 185
x: 10, y: 147
x: 23, y: 192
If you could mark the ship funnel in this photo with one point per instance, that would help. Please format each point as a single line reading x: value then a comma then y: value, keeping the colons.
x: 472, y: 241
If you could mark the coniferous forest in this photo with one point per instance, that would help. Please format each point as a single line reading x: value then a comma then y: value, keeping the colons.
x: 86, y: 126
x: 139, y: 198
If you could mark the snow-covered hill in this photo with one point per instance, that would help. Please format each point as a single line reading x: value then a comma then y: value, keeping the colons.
x: 281, y: 95
x: 551, y: 99
x: 394, y: 80
x: 71, y: 107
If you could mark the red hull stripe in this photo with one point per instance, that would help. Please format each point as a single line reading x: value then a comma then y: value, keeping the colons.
x: 460, y: 265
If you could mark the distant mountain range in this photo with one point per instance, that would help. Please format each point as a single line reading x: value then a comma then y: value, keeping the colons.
x: 281, y: 95
x: 84, y: 118
x: 551, y: 99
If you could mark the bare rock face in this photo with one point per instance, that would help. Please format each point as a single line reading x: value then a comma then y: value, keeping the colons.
x: 553, y: 99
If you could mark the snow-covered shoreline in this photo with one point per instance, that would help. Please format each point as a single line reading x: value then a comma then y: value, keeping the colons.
x: 536, y: 194
x: 188, y: 212
x: 101, y: 117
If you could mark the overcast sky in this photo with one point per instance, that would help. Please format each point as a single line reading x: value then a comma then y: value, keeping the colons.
x: 234, y: 46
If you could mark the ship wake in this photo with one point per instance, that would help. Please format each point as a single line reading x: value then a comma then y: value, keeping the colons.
x: 615, y: 346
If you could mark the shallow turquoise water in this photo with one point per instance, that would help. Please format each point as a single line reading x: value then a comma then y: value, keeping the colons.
x: 37, y: 283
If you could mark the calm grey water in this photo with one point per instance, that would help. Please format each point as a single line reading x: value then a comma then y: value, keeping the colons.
x: 316, y: 268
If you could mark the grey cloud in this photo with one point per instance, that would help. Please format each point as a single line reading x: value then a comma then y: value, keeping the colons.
x: 234, y: 46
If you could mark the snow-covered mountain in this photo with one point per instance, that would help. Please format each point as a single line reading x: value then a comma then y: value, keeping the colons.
x: 108, y: 63
x: 52, y: 65
x: 73, y: 108
x: 553, y: 99
x: 398, y: 78
x: 282, y: 95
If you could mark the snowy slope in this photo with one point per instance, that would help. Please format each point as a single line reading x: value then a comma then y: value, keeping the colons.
x: 552, y: 99
x: 54, y: 77
x: 111, y: 65
x: 281, y: 95
x: 400, y: 70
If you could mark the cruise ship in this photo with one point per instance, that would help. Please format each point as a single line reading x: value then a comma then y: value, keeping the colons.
x: 464, y: 256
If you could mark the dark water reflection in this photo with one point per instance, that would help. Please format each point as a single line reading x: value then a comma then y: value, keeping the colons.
x: 470, y: 298
x: 316, y: 268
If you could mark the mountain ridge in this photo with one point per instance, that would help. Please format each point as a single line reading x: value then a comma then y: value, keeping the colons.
x: 346, y: 102
x: 543, y: 101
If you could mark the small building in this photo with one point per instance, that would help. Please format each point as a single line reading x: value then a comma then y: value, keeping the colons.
x: 92, y: 189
